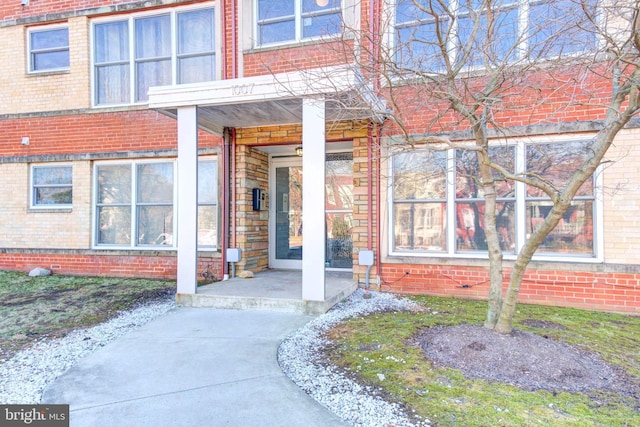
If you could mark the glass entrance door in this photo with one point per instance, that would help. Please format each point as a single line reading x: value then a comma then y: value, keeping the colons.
x: 286, y: 213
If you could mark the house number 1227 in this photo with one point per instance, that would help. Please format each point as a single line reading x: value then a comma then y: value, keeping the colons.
x: 245, y: 89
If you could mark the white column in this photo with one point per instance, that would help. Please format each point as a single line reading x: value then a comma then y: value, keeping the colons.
x: 187, y: 203
x: 313, y: 188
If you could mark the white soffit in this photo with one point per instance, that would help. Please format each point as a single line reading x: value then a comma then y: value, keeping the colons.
x: 296, y: 84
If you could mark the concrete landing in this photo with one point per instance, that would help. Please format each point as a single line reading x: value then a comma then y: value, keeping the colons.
x: 274, y: 290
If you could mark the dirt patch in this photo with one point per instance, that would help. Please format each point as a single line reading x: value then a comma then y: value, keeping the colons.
x: 34, y: 308
x: 543, y: 324
x: 526, y: 360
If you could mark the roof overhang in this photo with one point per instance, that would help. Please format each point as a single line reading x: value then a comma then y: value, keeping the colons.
x: 272, y: 99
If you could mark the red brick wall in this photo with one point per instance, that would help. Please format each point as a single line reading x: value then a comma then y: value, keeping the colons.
x: 157, y: 266
x: 98, y: 132
x: 298, y: 58
x: 538, y: 98
x: 618, y: 292
x: 12, y: 9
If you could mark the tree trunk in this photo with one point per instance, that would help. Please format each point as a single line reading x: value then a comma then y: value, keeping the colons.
x: 493, y: 242
x: 504, y: 324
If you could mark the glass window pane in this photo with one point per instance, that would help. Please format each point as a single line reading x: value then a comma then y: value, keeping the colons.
x: 419, y: 226
x: 51, y: 60
x: 148, y: 74
x: 155, y: 225
x: 557, y: 163
x: 489, y: 43
x: 470, y: 235
x: 52, y: 175
x: 208, y: 182
x: 468, y: 173
x: 112, y: 84
x: 574, y: 232
x: 339, y: 182
x: 268, y: 9
x: 418, y: 47
x: 53, y: 196
x: 50, y: 39
x: 277, y: 32
x: 318, y: 6
x: 420, y: 175
x: 207, y: 226
x: 560, y: 27
x: 418, y: 10
x: 321, y: 25
x: 114, y: 225
x: 112, y: 42
x: 195, y: 32
x: 114, y: 184
x: 339, y: 250
x: 153, y: 37
x: 155, y: 183
x: 196, y: 69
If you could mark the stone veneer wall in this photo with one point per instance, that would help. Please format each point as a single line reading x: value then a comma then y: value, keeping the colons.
x: 252, y: 171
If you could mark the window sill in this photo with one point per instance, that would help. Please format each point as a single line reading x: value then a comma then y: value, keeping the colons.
x: 297, y: 44
x: 480, y: 259
x: 50, y: 210
x: 48, y: 72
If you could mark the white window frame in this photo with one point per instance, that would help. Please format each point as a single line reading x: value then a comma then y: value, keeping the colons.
x: 30, y: 52
x: 131, y: 61
x: 133, y: 165
x: 32, y: 186
x: 522, y: 6
x: 133, y: 204
x: 520, y: 209
x: 298, y: 24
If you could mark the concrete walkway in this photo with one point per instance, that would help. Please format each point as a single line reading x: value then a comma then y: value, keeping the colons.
x: 191, y: 367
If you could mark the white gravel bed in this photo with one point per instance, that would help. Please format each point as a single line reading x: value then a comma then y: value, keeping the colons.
x: 300, y: 358
x: 24, y: 377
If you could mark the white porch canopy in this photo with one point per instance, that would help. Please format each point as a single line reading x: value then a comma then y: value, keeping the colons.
x: 310, y: 97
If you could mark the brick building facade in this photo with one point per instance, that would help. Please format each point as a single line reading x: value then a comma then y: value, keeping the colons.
x: 107, y: 105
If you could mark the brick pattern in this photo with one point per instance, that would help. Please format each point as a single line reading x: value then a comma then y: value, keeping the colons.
x: 361, y: 224
x: 12, y: 10
x: 541, y: 100
x: 51, y: 228
x: 622, y: 200
x: 160, y: 265
x: 135, y: 130
x: 48, y: 91
x: 619, y: 292
x: 270, y: 61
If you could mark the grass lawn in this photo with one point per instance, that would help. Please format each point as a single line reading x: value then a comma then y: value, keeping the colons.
x: 35, y: 307
x: 378, y: 350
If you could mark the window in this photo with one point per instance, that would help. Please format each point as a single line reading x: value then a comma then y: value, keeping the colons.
x: 420, y: 201
x: 207, y: 204
x: 426, y: 31
x: 51, y: 186
x: 281, y: 21
x: 134, y: 54
x: 49, y: 49
x: 134, y: 204
x: 438, y: 207
x: 574, y: 233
